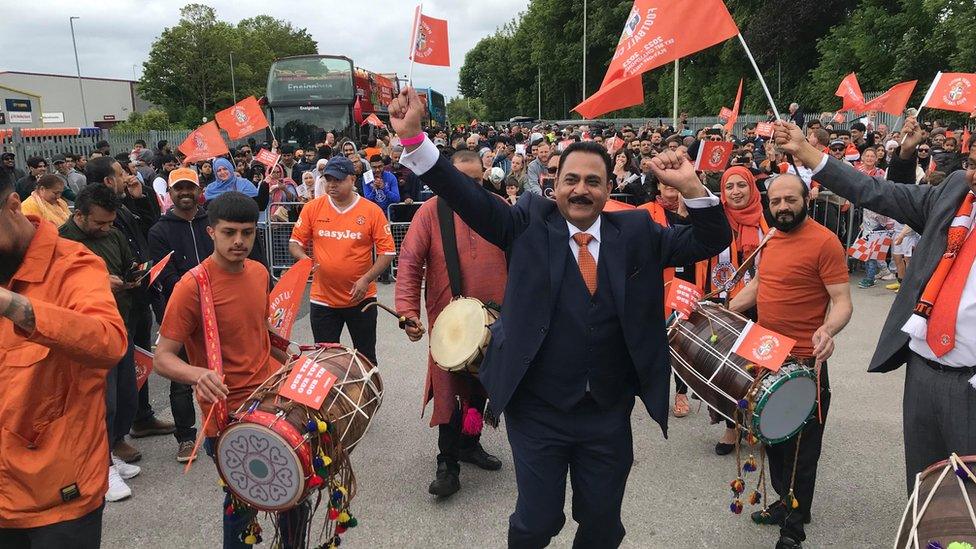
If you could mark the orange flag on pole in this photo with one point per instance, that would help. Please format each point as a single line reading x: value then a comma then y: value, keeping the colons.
x: 374, y: 120
x: 203, y: 143
x: 894, y: 100
x: 430, y: 44
x: 242, y: 119
x: 850, y: 92
x: 656, y: 33
x: 286, y: 297
x: 730, y: 121
x: 952, y: 91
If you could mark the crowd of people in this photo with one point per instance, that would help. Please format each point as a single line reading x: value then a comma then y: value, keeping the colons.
x: 146, y: 204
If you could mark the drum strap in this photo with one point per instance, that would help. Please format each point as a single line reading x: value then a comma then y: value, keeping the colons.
x: 445, y: 217
x: 211, y: 338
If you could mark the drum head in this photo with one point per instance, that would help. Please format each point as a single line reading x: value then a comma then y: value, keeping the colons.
x: 458, y: 333
x: 260, y: 467
x: 788, y: 405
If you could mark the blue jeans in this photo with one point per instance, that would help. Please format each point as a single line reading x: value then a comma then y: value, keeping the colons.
x: 871, y: 269
x: 292, y: 524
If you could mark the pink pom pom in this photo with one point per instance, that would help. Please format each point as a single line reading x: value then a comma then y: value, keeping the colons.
x: 472, y: 422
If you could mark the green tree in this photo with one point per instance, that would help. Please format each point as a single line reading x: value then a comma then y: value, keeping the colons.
x: 188, y: 70
x: 462, y: 110
x: 153, y: 119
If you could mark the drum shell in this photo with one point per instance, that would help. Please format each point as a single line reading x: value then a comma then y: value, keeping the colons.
x: 356, y: 396
x: 947, y: 518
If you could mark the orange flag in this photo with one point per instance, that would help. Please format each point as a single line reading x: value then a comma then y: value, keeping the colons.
x: 158, y: 268
x: 850, y: 91
x: 730, y: 121
x: 242, y: 119
x: 656, y: 33
x: 763, y: 346
x: 952, y: 91
x: 287, y: 296
x: 430, y: 45
x: 144, y: 365
x: 894, y: 100
x: 204, y: 143
x: 374, y: 120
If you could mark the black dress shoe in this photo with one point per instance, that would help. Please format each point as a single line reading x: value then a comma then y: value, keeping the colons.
x: 478, y: 456
x: 724, y: 449
x: 786, y: 542
x: 446, y: 482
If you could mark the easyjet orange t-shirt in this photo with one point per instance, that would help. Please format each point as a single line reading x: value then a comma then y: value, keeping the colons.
x: 245, y: 345
x: 794, y: 270
x: 342, y: 246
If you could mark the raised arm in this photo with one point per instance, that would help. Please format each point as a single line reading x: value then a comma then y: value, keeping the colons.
x: 709, y: 232
x: 908, y: 204
x: 494, y: 220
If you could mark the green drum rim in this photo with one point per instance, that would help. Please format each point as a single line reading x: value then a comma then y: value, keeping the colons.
x: 761, y: 404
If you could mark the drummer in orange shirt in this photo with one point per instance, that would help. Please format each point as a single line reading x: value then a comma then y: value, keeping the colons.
x: 343, y: 229
x: 247, y: 357
x: 801, y: 290
x: 60, y: 334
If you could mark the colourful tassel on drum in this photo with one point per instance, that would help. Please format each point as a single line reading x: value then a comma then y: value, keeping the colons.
x: 794, y: 503
x: 960, y: 472
x: 959, y: 545
x: 333, y: 513
x: 743, y: 404
x: 312, y: 426
x: 738, y: 486
x: 315, y: 481
x: 934, y: 545
x: 321, y: 426
x: 755, y: 498
x: 750, y: 464
x: 736, y: 506
x: 472, y: 422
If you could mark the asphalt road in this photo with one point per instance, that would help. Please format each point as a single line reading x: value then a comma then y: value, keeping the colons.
x: 677, y: 493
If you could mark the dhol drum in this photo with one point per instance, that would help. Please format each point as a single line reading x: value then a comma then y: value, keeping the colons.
x: 460, y: 336
x: 771, y: 406
x: 940, y: 509
x: 276, y: 451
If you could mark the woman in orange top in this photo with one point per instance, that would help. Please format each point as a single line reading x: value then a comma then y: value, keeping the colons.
x: 744, y: 210
x: 46, y: 202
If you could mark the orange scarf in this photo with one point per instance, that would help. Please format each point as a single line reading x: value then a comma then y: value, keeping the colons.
x: 747, y: 221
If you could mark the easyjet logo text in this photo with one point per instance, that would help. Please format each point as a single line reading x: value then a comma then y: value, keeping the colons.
x: 341, y: 235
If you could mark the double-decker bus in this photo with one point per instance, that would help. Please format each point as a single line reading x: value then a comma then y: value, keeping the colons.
x: 375, y: 92
x: 436, y: 108
x: 309, y: 95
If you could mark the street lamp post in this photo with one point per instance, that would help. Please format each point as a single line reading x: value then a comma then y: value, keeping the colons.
x: 84, y: 109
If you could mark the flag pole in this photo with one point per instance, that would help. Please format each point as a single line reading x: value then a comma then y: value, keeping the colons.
x: 674, y: 105
x: 413, y: 40
x: 762, y: 80
x: 928, y: 95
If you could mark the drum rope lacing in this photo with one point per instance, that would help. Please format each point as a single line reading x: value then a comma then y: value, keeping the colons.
x: 962, y: 471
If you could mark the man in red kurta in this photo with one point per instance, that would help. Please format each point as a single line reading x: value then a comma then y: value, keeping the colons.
x: 483, y: 275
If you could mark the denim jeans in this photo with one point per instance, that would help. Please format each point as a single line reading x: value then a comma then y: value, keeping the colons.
x: 871, y: 269
x: 292, y: 524
x: 121, y: 398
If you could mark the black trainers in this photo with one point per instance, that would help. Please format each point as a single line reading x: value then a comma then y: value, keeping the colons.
x: 786, y: 542
x: 774, y: 514
x: 478, y: 456
x: 446, y: 482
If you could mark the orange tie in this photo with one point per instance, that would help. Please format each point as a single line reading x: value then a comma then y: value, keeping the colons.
x: 941, y: 335
x: 587, y: 264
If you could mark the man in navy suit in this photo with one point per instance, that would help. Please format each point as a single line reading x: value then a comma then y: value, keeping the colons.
x: 582, y: 329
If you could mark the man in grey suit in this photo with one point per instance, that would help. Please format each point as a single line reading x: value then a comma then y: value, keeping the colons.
x: 931, y: 323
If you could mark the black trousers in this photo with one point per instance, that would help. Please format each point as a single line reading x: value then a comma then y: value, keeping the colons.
x: 450, y: 440
x: 180, y: 395
x: 781, y: 456
x: 81, y: 533
x: 121, y: 398
x: 327, y: 323
x: 594, y: 445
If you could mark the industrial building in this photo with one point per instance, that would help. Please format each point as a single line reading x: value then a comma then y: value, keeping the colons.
x: 37, y: 100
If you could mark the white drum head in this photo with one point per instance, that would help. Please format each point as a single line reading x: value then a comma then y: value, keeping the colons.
x: 787, y: 407
x: 260, y: 467
x: 458, y: 333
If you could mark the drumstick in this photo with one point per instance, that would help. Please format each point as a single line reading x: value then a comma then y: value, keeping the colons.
x: 744, y: 267
x: 404, y: 321
x: 203, y: 431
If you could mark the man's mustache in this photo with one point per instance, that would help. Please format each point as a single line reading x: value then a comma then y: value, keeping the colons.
x: 580, y: 200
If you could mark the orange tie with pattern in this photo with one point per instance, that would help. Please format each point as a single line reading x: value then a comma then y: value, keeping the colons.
x: 587, y: 264
x: 941, y: 335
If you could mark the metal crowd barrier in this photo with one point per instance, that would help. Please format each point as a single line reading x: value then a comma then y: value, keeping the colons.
x: 840, y: 217
x: 276, y: 235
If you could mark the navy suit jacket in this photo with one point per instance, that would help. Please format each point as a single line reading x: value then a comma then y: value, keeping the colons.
x: 535, y: 235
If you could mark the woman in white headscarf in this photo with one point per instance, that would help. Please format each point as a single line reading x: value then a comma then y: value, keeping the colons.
x: 320, y: 177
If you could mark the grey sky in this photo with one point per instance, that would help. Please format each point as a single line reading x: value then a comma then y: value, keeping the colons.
x: 114, y: 35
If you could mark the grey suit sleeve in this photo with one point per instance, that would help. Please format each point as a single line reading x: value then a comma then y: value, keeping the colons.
x: 908, y: 204
x: 532, y: 181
